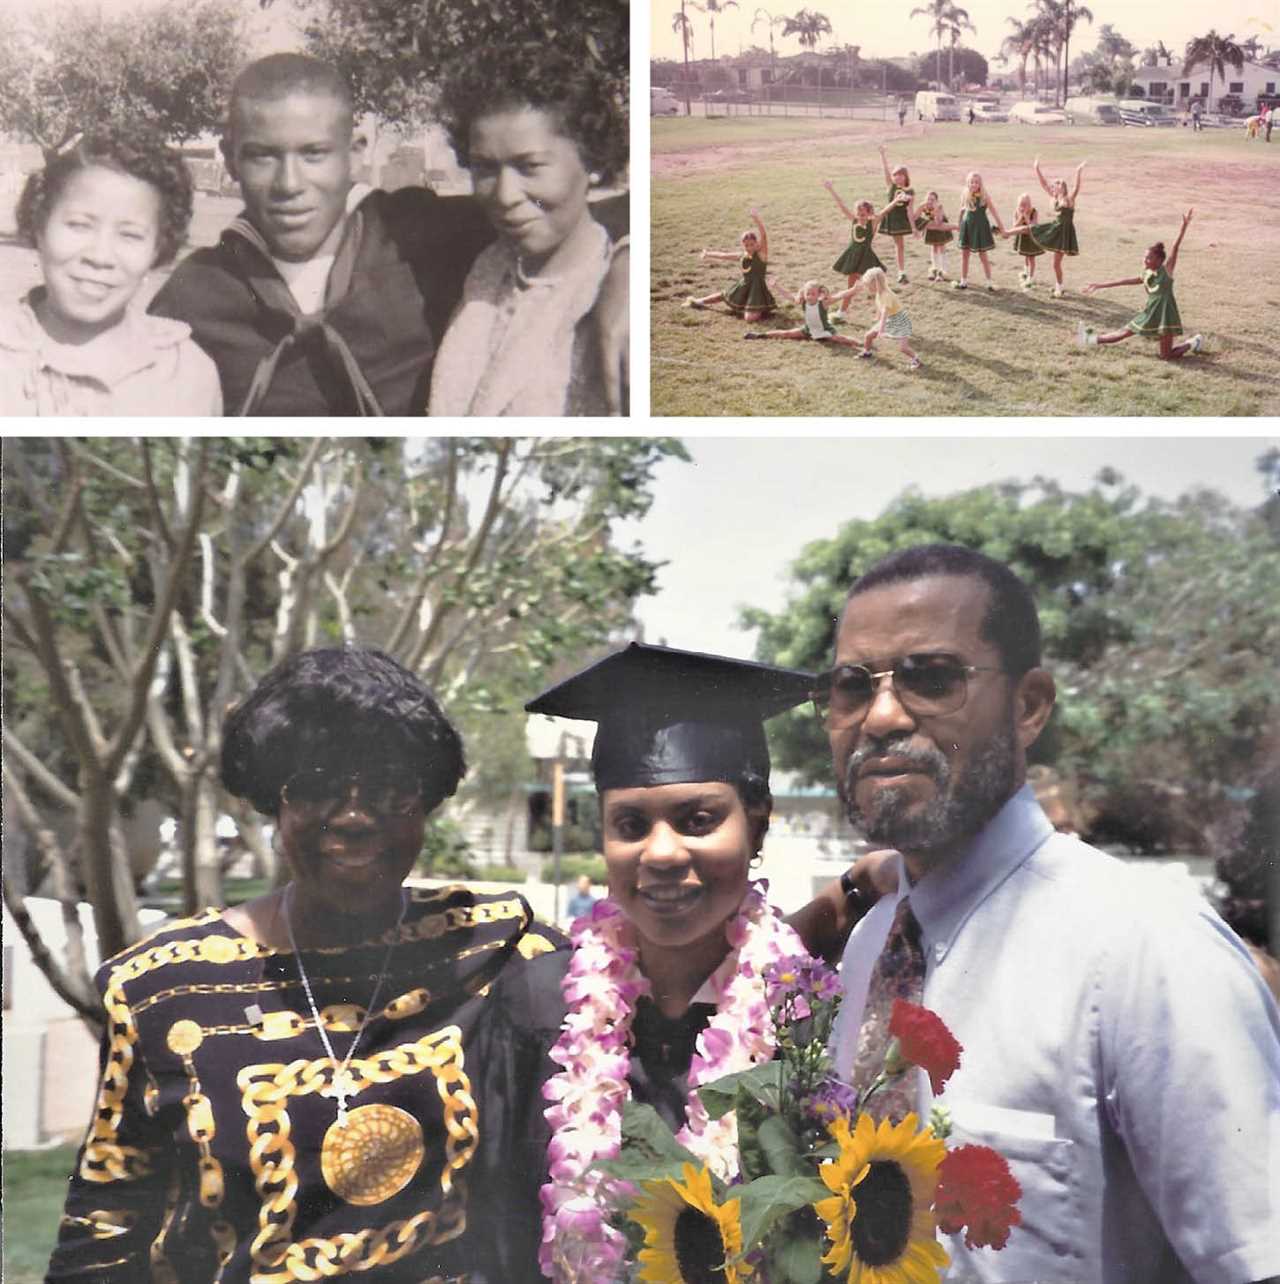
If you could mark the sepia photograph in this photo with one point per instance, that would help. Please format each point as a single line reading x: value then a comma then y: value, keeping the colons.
x: 641, y: 860
x: 314, y: 208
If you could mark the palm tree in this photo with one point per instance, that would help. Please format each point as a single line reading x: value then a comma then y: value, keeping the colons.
x: 1044, y: 45
x: 1251, y: 48
x: 1215, y: 52
x: 711, y: 8
x: 772, y: 22
x: 1071, y: 14
x: 807, y: 26
x: 938, y: 12
x: 1019, y: 44
x: 957, y: 21
x: 1049, y: 19
x: 680, y: 23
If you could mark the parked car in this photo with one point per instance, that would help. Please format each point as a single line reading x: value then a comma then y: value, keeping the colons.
x: 991, y: 112
x: 1091, y: 111
x: 1029, y: 113
x: 662, y: 102
x: 731, y: 96
x: 1140, y: 113
x: 931, y: 105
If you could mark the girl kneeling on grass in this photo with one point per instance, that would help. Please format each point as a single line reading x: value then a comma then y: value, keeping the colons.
x: 1160, y: 318
x: 894, y: 322
x: 812, y: 299
x: 101, y: 214
x: 750, y: 293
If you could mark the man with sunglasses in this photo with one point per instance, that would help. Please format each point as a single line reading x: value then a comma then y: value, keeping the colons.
x: 1120, y: 1049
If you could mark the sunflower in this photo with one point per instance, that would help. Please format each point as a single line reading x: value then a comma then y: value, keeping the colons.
x: 688, y: 1237
x: 879, y: 1220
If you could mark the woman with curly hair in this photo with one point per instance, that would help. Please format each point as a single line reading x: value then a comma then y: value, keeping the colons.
x: 539, y: 129
x: 101, y: 214
x: 303, y: 1087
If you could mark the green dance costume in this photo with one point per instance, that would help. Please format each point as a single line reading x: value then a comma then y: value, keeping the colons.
x: 750, y: 292
x: 1059, y: 235
x: 859, y: 257
x: 932, y: 235
x: 975, y: 229
x: 1160, y: 316
x: 1023, y: 243
x: 897, y: 222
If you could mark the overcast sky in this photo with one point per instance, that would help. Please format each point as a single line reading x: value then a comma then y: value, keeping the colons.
x: 885, y: 28
x: 732, y: 522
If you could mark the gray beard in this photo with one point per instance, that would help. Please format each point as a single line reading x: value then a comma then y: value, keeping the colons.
x: 961, y: 806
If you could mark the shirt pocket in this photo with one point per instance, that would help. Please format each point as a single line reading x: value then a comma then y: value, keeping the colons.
x: 1043, y: 1249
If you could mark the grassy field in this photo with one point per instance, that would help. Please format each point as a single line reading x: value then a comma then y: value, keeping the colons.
x: 1011, y: 353
x: 35, y: 1188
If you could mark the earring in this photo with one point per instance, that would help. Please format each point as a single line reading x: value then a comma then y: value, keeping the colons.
x: 593, y: 178
x: 756, y: 860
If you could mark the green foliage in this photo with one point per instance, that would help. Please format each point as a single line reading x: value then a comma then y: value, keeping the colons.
x: 572, y: 868
x: 396, y: 51
x: 498, y: 874
x: 68, y: 67
x: 445, y: 850
x: 1160, y: 624
x: 35, y: 1189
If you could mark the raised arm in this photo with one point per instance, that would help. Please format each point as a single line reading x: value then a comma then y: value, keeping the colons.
x: 884, y: 161
x: 764, y: 236
x: 1173, y: 254
x: 1075, y: 191
x: 844, y: 209
x: 825, y: 922
x: 725, y: 256
x: 897, y: 200
x: 1035, y: 164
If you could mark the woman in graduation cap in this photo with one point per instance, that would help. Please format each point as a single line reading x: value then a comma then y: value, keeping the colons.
x: 665, y: 987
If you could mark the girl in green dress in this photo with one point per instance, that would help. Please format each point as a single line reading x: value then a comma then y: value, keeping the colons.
x: 901, y: 216
x: 1023, y: 242
x: 1058, y: 235
x: 865, y: 219
x: 931, y: 223
x: 749, y: 294
x: 1160, y: 318
x: 976, y: 210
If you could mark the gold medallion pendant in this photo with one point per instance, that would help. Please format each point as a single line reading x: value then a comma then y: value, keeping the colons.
x: 373, y: 1155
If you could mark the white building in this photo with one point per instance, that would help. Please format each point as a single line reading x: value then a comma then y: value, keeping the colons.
x: 1168, y: 83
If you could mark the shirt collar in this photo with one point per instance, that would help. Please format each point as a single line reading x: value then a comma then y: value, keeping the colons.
x: 944, y: 898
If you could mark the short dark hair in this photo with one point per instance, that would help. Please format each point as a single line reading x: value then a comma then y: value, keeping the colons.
x: 1011, y: 623
x: 580, y: 96
x: 133, y: 149
x: 337, y: 707
x: 278, y: 75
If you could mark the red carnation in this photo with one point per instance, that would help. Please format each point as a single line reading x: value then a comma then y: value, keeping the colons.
x: 924, y: 1041
x: 977, y: 1191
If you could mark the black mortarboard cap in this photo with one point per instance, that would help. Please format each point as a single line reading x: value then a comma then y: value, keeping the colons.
x: 673, y: 717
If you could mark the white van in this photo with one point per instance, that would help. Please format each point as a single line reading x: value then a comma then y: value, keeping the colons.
x: 1091, y: 111
x: 1138, y: 111
x: 931, y: 105
x: 662, y: 102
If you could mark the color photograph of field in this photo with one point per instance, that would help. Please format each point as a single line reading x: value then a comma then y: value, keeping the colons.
x: 1009, y: 353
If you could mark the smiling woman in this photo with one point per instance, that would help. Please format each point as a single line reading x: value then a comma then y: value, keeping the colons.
x: 101, y: 214
x: 305, y: 1087
x: 539, y: 129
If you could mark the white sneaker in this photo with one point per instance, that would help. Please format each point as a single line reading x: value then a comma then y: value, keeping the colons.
x: 959, y: 285
x: 1086, y: 337
x: 1197, y: 342
x: 1058, y: 291
x: 902, y: 278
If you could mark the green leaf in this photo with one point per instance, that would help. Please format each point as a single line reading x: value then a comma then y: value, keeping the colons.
x: 760, y: 1083
x: 646, y: 1132
x: 781, y: 1147
x: 767, y: 1200
x: 799, y: 1260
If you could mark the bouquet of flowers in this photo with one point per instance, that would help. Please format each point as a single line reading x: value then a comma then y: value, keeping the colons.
x: 815, y: 1190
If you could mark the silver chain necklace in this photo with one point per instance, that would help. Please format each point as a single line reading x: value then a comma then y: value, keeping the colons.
x: 344, y: 1084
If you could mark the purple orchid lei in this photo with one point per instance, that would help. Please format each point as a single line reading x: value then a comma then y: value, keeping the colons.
x: 587, y: 1096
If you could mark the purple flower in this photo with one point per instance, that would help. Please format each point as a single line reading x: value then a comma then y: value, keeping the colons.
x: 800, y: 978
x: 829, y: 1100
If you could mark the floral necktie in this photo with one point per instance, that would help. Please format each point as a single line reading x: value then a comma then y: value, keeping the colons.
x: 898, y: 974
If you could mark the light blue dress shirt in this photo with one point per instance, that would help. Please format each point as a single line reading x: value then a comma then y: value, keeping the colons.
x: 1120, y: 1051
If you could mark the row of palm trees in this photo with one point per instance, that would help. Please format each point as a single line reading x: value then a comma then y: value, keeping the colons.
x: 808, y: 26
x: 946, y: 19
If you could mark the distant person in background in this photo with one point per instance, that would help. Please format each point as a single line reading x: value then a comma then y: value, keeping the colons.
x: 902, y: 112
x: 581, y: 901
x: 972, y: 116
x: 1196, y: 110
x: 1266, y: 123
